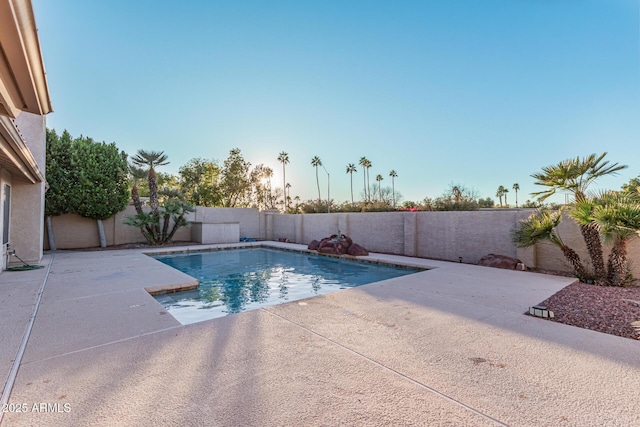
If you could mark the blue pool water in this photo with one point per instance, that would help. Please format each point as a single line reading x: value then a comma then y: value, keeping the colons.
x: 237, y: 280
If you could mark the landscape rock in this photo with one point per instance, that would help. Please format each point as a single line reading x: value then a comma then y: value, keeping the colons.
x: 338, y: 245
x: 502, y: 261
x: 357, y: 250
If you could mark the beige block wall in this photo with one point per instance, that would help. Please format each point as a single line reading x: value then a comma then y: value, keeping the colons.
x: 27, y: 200
x: 438, y: 235
x: 75, y: 232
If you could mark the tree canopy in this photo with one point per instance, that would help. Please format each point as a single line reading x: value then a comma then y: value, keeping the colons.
x: 85, y: 177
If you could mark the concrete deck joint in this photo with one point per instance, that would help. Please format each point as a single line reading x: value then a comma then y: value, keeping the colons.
x: 391, y: 370
x: 6, y: 392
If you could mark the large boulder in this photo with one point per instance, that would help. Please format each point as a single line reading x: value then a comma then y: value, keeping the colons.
x: 334, y: 245
x: 357, y: 250
x: 337, y: 245
x: 502, y: 261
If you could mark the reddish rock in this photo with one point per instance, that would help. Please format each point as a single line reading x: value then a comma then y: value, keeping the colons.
x: 338, y: 245
x: 357, y: 250
x: 502, y: 261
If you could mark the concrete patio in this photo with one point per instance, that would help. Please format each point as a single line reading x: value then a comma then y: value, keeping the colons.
x: 448, y: 346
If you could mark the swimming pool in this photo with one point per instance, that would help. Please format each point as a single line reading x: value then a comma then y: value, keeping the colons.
x: 236, y: 280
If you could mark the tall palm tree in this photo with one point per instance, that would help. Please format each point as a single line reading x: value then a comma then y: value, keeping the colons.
x: 368, y: 166
x: 393, y: 176
x: 379, y: 178
x: 315, y: 162
x: 363, y: 162
x: 500, y: 193
x: 516, y: 187
x: 351, y: 169
x: 287, y: 194
x: 136, y: 173
x: 575, y: 175
x: 151, y: 159
x: 283, y: 158
x: 506, y: 204
x: 457, y: 193
x: 540, y: 226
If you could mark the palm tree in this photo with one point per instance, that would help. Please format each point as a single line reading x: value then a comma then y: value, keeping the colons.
x: 151, y: 159
x: 393, y: 176
x: 379, y: 178
x: 516, y: 187
x: 500, y: 193
x: 364, y: 162
x: 283, y: 158
x: 136, y: 174
x: 616, y: 215
x: 351, y: 169
x: 506, y: 204
x: 540, y: 226
x: 457, y: 193
x: 287, y: 194
x: 315, y: 162
x: 575, y: 175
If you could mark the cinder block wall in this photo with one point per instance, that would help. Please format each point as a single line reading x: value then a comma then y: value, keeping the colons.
x: 75, y: 232
x: 439, y: 235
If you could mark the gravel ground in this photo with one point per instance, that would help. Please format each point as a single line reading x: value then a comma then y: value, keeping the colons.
x: 611, y: 310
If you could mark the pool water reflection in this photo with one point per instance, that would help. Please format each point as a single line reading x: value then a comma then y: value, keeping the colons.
x: 237, y: 280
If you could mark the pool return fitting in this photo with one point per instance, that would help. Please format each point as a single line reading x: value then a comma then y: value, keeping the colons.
x: 24, y: 266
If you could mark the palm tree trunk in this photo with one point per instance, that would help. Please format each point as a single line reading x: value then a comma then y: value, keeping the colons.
x: 574, y: 260
x: 351, y: 174
x: 284, y: 186
x: 318, y: 184
x: 617, y: 263
x: 153, y: 191
x: 594, y: 247
x: 368, y: 186
x: 136, y: 199
x: 364, y: 182
x: 393, y: 188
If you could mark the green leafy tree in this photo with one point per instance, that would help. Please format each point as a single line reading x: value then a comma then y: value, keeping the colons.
x: 102, y: 181
x: 516, y: 188
x: 85, y: 177
x: 262, y: 197
x: 487, y: 202
x: 235, y: 184
x: 199, y: 182
x: 61, y: 177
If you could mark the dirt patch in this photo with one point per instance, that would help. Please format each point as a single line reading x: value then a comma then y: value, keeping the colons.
x: 612, y: 310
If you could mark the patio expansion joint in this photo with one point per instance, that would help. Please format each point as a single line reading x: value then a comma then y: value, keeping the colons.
x: 390, y: 370
x: 13, y: 373
x: 102, y: 345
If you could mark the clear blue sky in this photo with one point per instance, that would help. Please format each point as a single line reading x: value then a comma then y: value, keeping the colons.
x: 478, y: 93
